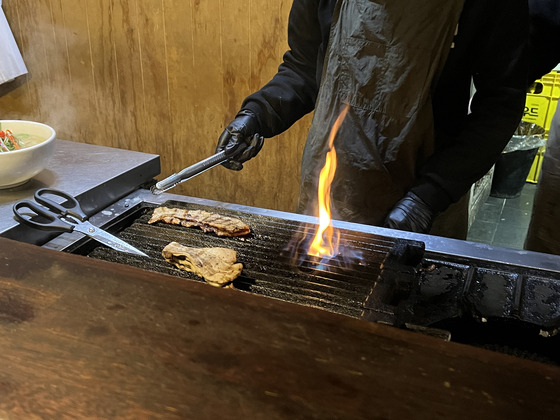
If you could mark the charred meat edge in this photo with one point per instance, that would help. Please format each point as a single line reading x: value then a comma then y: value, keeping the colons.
x: 207, y: 221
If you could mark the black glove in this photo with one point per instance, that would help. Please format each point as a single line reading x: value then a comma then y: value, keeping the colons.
x: 411, y: 214
x: 243, y: 129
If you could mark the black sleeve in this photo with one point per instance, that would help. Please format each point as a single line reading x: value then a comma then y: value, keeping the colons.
x: 499, y: 70
x: 292, y: 92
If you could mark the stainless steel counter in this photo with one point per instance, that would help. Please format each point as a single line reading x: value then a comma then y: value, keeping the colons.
x: 96, y: 175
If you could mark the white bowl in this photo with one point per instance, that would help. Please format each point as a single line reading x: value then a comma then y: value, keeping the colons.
x: 19, y: 166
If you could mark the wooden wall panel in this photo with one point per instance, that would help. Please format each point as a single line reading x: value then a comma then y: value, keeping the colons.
x: 125, y: 32
x: 182, y: 79
x: 159, y: 76
x: 155, y: 124
x: 76, y: 99
x: 205, y: 102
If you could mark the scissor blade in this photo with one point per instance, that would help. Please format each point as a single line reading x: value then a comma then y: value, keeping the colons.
x: 106, y: 238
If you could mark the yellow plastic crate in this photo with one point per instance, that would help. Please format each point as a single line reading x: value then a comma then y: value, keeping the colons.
x: 543, y: 86
x: 550, y: 113
x: 536, y: 109
x: 556, y: 87
x: 542, y: 100
x: 540, y: 106
x: 535, y: 170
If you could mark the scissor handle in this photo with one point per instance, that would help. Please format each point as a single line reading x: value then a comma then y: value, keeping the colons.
x: 70, y: 207
x: 52, y: 221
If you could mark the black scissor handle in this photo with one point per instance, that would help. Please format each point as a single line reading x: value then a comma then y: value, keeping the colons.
x: 70, y: 207
x: 52, y: 222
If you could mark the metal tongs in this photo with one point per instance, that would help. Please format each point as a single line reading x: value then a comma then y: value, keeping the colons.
x: 198, y: 168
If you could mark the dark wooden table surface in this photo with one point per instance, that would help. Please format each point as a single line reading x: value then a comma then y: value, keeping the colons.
x: 81, y: 338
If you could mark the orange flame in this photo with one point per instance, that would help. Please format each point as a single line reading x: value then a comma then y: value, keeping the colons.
x: 325, y: 243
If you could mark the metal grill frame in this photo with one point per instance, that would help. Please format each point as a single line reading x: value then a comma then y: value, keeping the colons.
x: 397, y: 303
x: 439, y: 246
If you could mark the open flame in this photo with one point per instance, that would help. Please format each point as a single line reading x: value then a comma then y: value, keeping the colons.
x: 325, y: 243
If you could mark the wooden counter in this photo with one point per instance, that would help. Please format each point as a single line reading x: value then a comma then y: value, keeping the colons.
x: 81, y: 338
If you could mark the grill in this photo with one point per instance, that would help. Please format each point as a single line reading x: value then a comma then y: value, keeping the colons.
x: 399, y: 281
x: 269, y: 257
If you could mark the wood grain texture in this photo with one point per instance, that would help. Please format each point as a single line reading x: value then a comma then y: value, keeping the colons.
x: 158, y: 76
x: 87, y: 339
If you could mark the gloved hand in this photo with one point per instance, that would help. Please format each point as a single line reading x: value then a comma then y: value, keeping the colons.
x: 242, y: 129
x: 411, y: 214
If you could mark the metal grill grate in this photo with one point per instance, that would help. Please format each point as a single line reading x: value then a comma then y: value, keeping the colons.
x: 269, y: 267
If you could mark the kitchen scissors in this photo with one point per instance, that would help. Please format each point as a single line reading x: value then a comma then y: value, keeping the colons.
x: 67, y: 216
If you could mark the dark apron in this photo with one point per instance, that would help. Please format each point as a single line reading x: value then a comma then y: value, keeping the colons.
x: 382, y: 60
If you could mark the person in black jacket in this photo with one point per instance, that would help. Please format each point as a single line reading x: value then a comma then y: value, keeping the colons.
x: 409, y: 146
x: 543, y: 234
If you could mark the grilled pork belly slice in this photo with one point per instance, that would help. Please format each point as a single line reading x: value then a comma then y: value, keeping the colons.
x: 216, y: 265
x: 207, y: 221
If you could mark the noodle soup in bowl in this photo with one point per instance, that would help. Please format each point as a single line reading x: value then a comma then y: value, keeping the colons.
x: 26, y: 148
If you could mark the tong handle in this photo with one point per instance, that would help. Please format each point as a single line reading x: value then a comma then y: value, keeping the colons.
x: 198, y: 168
x: 191, y: 171
x: 204, y: 165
